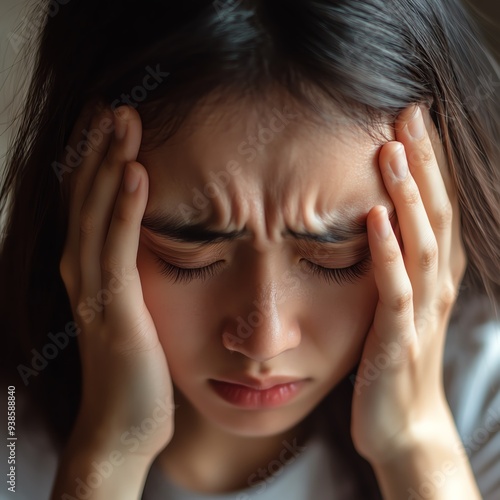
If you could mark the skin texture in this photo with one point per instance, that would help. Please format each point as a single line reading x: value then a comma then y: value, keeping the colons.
x: 313, y: 329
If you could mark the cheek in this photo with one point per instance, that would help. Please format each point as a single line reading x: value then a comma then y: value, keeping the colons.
x: 177, y: 312
x: 334, y: 321
x: 343, y: 321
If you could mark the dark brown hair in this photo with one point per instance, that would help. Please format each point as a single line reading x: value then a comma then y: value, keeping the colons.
x: 370, y: 58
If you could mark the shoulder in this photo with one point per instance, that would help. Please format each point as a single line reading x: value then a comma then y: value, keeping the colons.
x: 472, y: 386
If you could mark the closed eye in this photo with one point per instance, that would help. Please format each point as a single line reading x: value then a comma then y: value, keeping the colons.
x: 340, y: 276
x: 185, y: 275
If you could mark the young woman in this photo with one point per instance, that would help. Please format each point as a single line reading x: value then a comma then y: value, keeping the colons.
x: 253, y: 251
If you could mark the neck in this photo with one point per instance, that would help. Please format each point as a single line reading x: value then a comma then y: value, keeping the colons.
x: 206, y: 459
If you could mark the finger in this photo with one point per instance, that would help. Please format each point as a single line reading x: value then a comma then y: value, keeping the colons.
x: 393, y: 320
x: 98, y: 206
x: 457, y: 253
x: 119, y: 254
x: 68, y: 160
x: 82, y: 178
x: 411, y: 131
x: 419, y: 241
x: 78, y: 185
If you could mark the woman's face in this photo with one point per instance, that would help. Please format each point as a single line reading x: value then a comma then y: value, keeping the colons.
x: 262, y: 312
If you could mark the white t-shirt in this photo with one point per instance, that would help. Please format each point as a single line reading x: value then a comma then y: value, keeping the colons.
x: 472, y: 385
x: 306, y: 475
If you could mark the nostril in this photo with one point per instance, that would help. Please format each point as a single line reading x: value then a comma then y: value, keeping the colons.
x: 264, y: 342
x: 231, y: 342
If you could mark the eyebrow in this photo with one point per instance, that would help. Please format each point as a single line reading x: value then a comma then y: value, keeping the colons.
x: 176, y: 228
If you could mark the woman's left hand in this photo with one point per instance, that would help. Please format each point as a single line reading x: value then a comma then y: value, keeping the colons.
x: 398, y: 394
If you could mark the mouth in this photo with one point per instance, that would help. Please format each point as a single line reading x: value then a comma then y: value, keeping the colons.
x: 258, y: 394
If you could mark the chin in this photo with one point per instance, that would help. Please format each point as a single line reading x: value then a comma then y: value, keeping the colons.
x: 257, y: 424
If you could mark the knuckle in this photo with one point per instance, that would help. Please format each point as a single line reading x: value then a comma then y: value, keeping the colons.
x: 422, y: 155
x: 412, y: 196
x: 447, y: 296
x: 109, y: 263
x: 391, y: 258
x: 444, y: 216
x: 402, y: 302
x: 111, y: 266
x: 87, y: 222
x: 123, y: 214
x: 425, y: 154
x: 429, y: 256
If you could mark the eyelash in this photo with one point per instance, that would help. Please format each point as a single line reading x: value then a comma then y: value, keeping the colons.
x: 339, y: 276
x: 182, y: 274
x: 342, y: 275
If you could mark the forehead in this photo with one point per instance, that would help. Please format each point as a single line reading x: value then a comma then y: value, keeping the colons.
x: 274, y: 154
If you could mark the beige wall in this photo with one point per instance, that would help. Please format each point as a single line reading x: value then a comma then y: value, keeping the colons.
x: 12, y: 14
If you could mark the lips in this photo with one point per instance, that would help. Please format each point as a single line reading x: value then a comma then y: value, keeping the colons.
x: 252, y: 393
x: 260, y: 384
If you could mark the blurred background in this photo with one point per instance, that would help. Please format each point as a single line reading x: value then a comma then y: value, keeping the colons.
x: 15, y: 27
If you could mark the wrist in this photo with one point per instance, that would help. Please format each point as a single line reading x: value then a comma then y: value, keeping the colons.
x: 103, y: 438
x: 97, y: 473
x: 429, y: 462
x: 436, y: 428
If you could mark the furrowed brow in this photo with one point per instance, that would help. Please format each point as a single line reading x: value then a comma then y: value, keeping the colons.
x: 175, y: 228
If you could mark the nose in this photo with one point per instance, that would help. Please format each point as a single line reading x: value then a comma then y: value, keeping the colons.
x: 266, y: 329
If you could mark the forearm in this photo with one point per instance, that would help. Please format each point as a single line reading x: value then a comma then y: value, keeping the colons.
x: 435, y: 466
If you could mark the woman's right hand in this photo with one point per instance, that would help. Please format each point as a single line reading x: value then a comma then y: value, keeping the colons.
x: 127, y: 398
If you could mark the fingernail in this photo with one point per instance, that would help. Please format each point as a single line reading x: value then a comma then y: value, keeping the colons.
x: 131, y: 180
x: 416, y: 126
x: 399, y: 164
x: 121, y: 123
x: 383, y: 227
